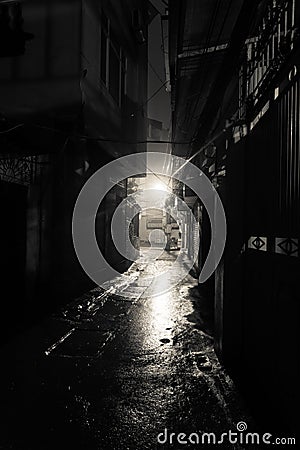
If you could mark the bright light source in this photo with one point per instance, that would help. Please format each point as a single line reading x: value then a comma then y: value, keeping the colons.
x: 160, y: 187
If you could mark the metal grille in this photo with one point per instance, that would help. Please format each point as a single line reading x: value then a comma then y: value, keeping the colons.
x: 265, y: 52
x: 22, y: 170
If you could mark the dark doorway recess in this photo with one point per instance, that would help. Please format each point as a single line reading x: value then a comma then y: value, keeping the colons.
x: 13, y: 200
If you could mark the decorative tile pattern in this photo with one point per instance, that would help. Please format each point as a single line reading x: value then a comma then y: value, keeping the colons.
x: 287, y: 246
x: 258, y: 243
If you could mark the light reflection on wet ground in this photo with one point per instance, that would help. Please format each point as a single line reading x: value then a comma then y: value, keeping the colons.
x: 111, y: 373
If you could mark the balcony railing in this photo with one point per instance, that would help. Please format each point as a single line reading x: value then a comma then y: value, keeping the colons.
x: 266, y: 50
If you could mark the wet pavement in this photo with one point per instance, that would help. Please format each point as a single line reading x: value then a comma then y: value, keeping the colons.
x: 112, y: 371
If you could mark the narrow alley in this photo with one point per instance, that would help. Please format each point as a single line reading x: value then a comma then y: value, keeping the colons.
x: 106, y: 372
x: 150, y: 224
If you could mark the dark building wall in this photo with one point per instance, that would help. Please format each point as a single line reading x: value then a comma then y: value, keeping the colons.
x: 40, y: 88
x: 114, y: 103
x: 256, y: 172
x: 257, y: 289
x: 114, y: 87
x: 44, y: 82
x: 57, y: 95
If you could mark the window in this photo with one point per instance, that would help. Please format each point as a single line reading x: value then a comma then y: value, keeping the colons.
x: 114, y: 68
x: 113, y: 62
x: 154, y: 224
x: 123, y: 78
x: 103, y: 58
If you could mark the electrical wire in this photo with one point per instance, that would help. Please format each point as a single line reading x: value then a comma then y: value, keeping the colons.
x: 97, y: 139
x: 141, y: 106
x: 203, y: 147
x: 149, y: 99
x: 184, y: 68
x: 155, y: 71
x: 218, y: 39
x: 207, y: 42
x: 12, y: 129
x: 201, y: 90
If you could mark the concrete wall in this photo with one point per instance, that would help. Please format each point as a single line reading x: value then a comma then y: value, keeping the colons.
x: 41, y: 89
x: 56, y: 84
x: 104, y: 116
